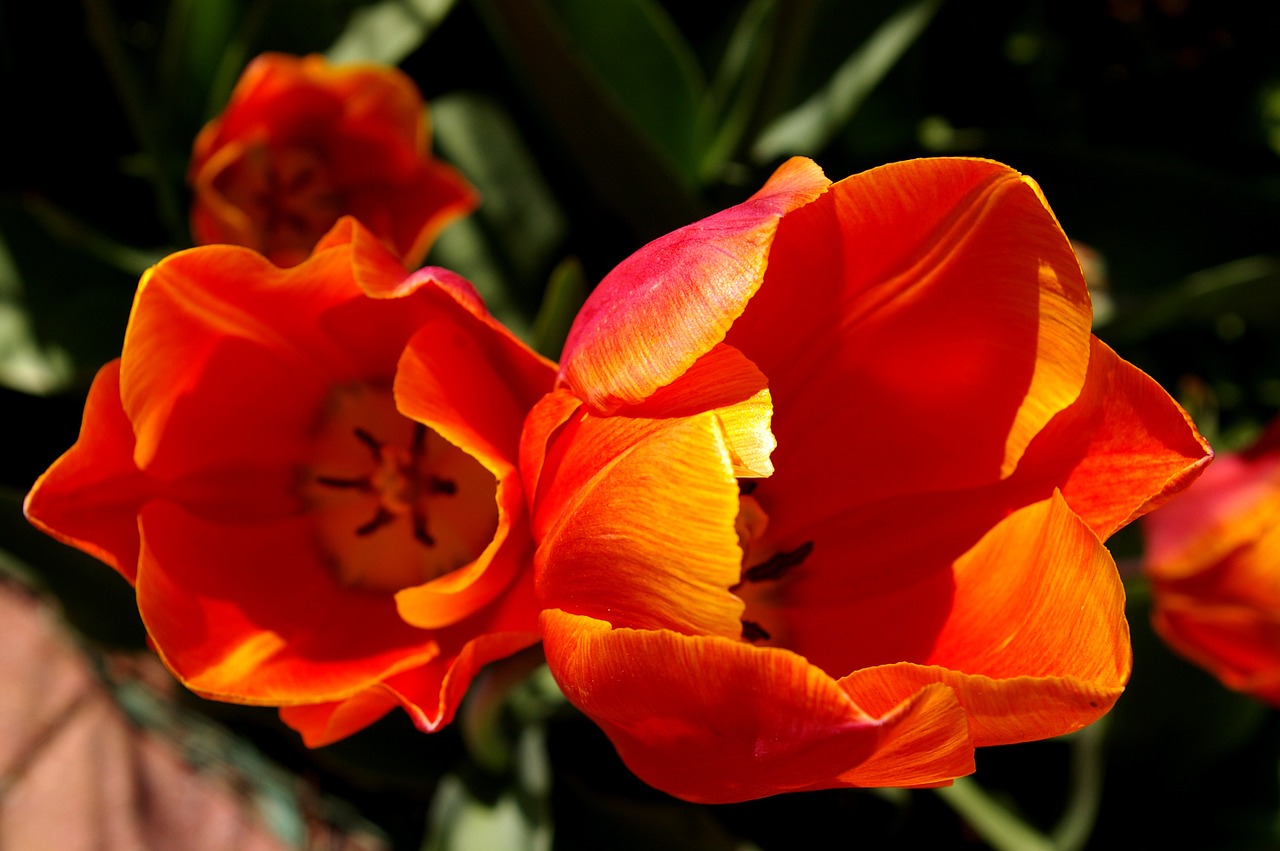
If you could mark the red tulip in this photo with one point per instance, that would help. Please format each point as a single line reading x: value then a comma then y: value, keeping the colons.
x: 311, y: 519
x: 1213, y: 559
x: 302, y: 143
x: 918, y: 568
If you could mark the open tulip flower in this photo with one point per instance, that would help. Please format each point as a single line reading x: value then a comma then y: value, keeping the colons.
x: 302, y: 143
x: 917, y: 567
x: 310, y: 477
x: 1213, y: 559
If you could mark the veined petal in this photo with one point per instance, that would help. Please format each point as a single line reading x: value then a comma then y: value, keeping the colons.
x: 929, y: 318
x: 91, y: 496
x: 545, y: 419
x: 714, y: 720
x: 1035, y: 642
x: 636, y: 524
x: 673, y: 300
x: 1123, y: 449
x: 726, y: 382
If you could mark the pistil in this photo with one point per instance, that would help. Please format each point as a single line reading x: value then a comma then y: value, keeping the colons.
x: 419, y: 507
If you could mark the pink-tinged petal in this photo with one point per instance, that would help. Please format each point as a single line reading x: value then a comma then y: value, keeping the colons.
x: 1232, y: 506
x: 635, y: 524
x: 1123, y: 449
x: 1212, y: 557
x: 673, y: 300
x: 715, y: 721
x: 1035, y: 642
x: 91, y: 496
x: 943, y: 302
x: 223, y: 606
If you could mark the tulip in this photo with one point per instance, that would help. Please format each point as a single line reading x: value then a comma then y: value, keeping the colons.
x: 916, y: 568
x: 310, y: 477
x: 1213, y: 560
x: 302, y: 143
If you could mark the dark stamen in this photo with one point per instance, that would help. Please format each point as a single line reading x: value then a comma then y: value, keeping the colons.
x: 375, y: 445
x: 752, y: 631
x: 446, y: 487
x: 775, y: 567
x: 746, y: 486
x: 382, y: 518
x: 419, y: 445
x: 361, y: 484
x: 420, y: 529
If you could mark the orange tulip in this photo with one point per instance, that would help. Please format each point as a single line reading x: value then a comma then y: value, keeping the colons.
x: 917, y: 568
x: 302, y: 143
x: 311, y: 519
x: 1213, y: 559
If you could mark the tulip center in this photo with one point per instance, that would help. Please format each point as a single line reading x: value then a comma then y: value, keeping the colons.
x: 289, y: 195
x: 764, y: 565
x: 395, y: 504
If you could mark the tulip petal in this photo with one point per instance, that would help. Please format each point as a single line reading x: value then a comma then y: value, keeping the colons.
x: 714, y: 720
x: 1035, y: 644
x: 669, y: 303
x: 432, y: 693
x: 725, y: 381
x: 456, y: 377
x: 1122, y: 450
x: 943, y: 301
x: 1232, y: 506
x: 221, y: 603
x: 1238, y: 640
x: 179, y: 320
x: 89, y: 498
x: 1211, y: 557
x: 301, y: 141
x: 637, y: 526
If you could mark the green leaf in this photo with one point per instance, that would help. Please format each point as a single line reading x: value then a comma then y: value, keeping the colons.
x: 627, y: 169
x: 808, y: 128
x: 1247, y: 287
x: 508, y: 245
x: 732, y: 100
x: 641, y: 59
x: 566, y: 291
x: 25, y: 364
x: 76, y: 284
x: 388, y: 31
x: 459, y: 821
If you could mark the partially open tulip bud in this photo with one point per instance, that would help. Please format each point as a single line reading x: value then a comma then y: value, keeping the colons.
x: 302, y: 143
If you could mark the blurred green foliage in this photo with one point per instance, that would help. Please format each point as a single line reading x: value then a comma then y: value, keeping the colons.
x: 1152, y: 125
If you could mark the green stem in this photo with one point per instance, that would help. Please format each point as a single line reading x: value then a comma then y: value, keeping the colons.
x: 1005, y: 831
x: 1087, y: 758
x: 1001, y: 829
